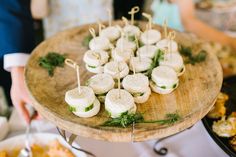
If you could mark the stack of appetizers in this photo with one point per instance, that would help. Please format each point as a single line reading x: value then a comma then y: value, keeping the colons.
x: 120, y: 66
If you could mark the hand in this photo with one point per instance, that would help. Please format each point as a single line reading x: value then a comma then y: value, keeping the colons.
x: 19, y: 93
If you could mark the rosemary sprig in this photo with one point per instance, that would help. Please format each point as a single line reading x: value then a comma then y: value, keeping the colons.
x: 191, y: 59
x: 127, y: 119
x: 51, y: 61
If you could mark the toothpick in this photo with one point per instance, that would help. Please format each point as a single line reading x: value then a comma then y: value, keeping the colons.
x: 171, y: 37
x: 100, y: 27
x: 165, y: 25
x: 149, y: 17
x: 92, y: 32
x: 119, y: 79
x: 133, y: 11
x: 132, y: 63
x: 137, y: 44
x: 125, y: 20
x: 75, y: 66
x: 109, y: 16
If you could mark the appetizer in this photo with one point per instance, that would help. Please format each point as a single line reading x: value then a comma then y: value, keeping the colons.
x: 83, y: 104
x: 132, y: 30
x: 138, y: 86
x: 99, y: 43
x: 113, y: 68
x: 164, y: 80
x: 140, y: 64
x: 219, y: 109
x: 150, y: 37
x: 101, y: 84
x: 147, y: 51
x: 168, y: 45
x: 225, y: 127
x: 119, y: 101
x: 175, y: 61
x: 95, y: 59
x: 125, y: 44
x: 119, y: 54
x: 112, y: 33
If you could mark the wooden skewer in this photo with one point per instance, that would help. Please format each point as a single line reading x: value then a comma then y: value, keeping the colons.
x: 133, y: 11
x: 149, y: 17
x: 109, y: 16
x: 92, y: 32
x: 165, y: 28
x: 100, y: 27
x: 137, y: 44
x: 119, y: 79
x: 75, y: 66
x: 125, y: 20
x: 171, y: 37
x: 132, y: 63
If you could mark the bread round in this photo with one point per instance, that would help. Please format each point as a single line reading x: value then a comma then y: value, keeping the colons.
x: 132, y: 30
x: 160, y: 90
x: 136, y: 83
x: 112, y: 33
x: 165, y: 44
x: 122, y: 55
x: 148, y: 51
x: 144, y: 97
x: 164, y: 76
x: 140, y: 64
x: 80, y: 100
x: 96, y: 70
x: 150, y: 37
x: 112, y: 68
x: 175, y: 61
x: 125, y: 44
x: 117, y: 105
x: 90, y: 113
x: 101, y: 83
x: 99, y: 43
x: 95, y: 57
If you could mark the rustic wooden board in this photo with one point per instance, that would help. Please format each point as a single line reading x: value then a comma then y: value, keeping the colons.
x: 193, y: 98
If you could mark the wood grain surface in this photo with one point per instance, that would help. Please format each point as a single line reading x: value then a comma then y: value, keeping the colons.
x: 194, y: 97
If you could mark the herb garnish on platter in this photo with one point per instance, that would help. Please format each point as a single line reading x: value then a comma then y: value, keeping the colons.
x: 127, y: 119
x: 51, y: 61
x: 192, y: 59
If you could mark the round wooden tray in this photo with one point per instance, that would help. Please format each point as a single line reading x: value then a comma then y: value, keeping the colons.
x: 194, y: 97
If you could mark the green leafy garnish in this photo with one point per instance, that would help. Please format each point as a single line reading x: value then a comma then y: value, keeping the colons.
x: 51, y: 61
x: 174, y: 86
x: 127, y: 119
x: 192, y: 59
x: 90, y: 107
x: 163, y: 87
x: 159, y: 55
x: 86, y: 40
x: 171, y: 118
x: 72, y: 109
x: 124, y: 120
x: 92, y: 66
x: 131, y: 38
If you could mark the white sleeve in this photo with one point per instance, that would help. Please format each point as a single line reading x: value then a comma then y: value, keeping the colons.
x: 14, y: 60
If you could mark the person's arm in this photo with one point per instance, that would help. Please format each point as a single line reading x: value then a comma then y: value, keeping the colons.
x: 196, y: 26
x: 39, y: 8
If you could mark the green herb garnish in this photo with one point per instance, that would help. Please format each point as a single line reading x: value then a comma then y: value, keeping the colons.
x: 174, y: 86
x: 72, y: 109
x: 131, y: 38
x: 163, y: 87
x: 127, y: 119
x: 159, y: 55
x: 90, y: 107
x: 86, y: 40
x: 51, y: 61
x: 92, y: 66
x: 124, y: 120
x: 191, y: 59
x: 137, y: 94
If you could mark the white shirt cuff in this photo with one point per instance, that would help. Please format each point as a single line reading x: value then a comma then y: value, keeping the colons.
x: 15, y: 60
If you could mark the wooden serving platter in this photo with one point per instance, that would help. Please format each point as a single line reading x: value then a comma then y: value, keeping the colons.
x: 194, y: 97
